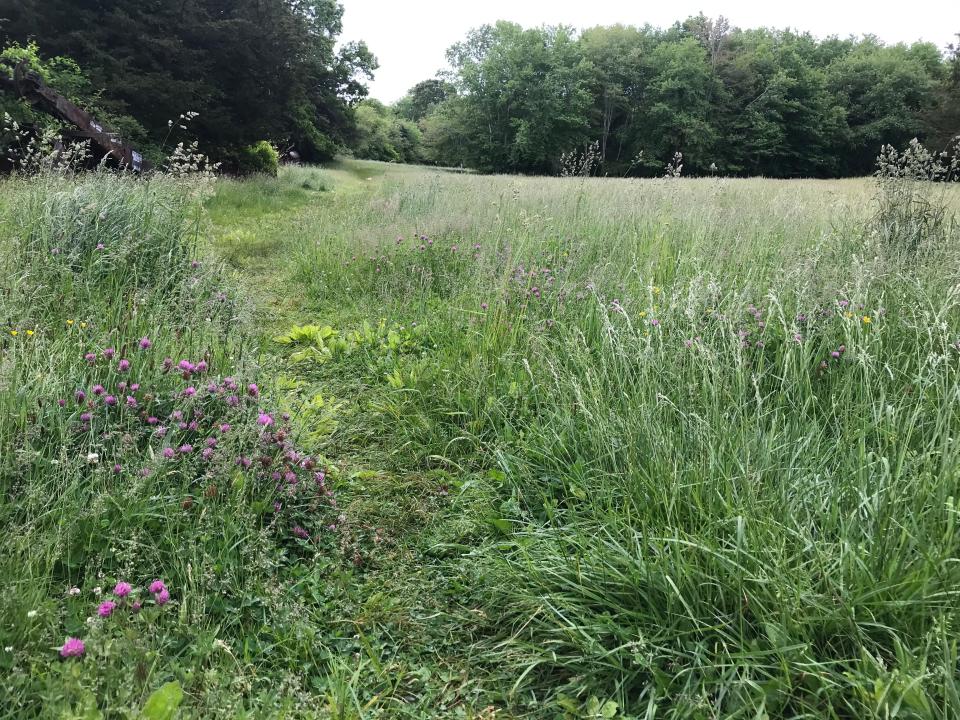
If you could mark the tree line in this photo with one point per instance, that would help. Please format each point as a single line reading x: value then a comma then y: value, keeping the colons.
x: 735, y: 102
x: 762, y: 101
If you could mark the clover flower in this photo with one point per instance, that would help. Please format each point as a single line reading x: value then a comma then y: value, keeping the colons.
x: 73, y: 647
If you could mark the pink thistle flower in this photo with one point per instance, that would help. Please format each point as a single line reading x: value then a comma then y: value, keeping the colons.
x: 61, y: 402
x: 253, y: 390
x: 186, y: 448
x: 168, y: 452
x: 161, y: 431
x: 211, y: 442
x: 186, y: 366
x: 244, y: 462
x: 224, y: 427
x: 110, y: 400
x: 100, y: 246
x: 193, y: 426
x: 117, y: 469
x: 145, y: 343
x: 655, y: 322
x: 233, y: 401
x: 134, y: 387
x: 122, y: 589
x: 123, y: 365
x: 202, y: 366
x: 300, y: 533
x: 109, y: 353
x: 73, y: 647
x: 106, y: 608
x: 264, y: 419
x: 162, y: 597
x: 98, y: 390
x: 157, y: 586
x: 85, y: 417
x: 152, y: 420
x: 167, y: 364
x: 190, y: 391
x: 136, y: 606
x: 176, y: 415
x: 80, y: 395
x: 131, y: 401
x: 90, y: 358
x: 121, y: 386
x: 207, y: 453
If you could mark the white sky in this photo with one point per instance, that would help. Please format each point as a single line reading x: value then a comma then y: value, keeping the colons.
x: 409, y: 37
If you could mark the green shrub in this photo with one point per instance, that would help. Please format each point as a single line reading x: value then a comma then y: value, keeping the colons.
x: 260, y: 158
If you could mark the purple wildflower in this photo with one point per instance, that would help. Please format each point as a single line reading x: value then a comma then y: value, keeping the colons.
x: 122, y: 589
x: 131, y: 401
x: 106, y: 608
x: 123, y: 365
x: 300, y: 533
x: 224, y: 427
x: 190, y: 391
x: 85, y: 417
x: 73, y: 647
x: 168, y: 452
x: 109, y: 353
x: 61, y: 402
x: 157, y: 586
x: 80, y: 395
x: 152, y: 420
x: 97, y: 389
x: 162, y: 597
x: 186, y: 449
x: 117, y: 469
x: 145, y: 343
x: 264, y: 419
x: 110, y: 400
x: 253, y: 390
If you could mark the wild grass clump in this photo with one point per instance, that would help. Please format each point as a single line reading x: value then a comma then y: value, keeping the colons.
x: 136, y: 447
x: 714, y: 431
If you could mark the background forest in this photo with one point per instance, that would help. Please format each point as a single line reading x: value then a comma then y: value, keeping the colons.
x: 733, y: 101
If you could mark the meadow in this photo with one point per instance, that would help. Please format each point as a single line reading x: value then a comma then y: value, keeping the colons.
x: 495, y: 446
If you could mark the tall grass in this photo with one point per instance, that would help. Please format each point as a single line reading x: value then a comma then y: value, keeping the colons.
x: 125, y: 421
x: 717, y: 423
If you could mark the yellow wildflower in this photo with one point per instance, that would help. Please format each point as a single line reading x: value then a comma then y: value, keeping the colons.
x: 867, y: 320
x: 848, y: 314
x: 14, y: 333
x: 69, y: 322
x: 82, y: 325
x: 643, y: 313
x: 29, y: 333
x: 656, y: 290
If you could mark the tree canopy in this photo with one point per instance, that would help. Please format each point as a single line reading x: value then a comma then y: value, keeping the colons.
x: 251, y: 69
x: 768, y: 102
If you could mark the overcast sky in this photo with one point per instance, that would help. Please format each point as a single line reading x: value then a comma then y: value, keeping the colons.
x: 409, y: 37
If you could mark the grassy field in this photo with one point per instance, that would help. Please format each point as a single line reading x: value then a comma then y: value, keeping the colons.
x: 589, y: 447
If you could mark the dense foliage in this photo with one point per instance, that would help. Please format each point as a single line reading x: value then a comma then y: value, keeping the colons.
x: 252, y: 70
x: 732, y: 101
